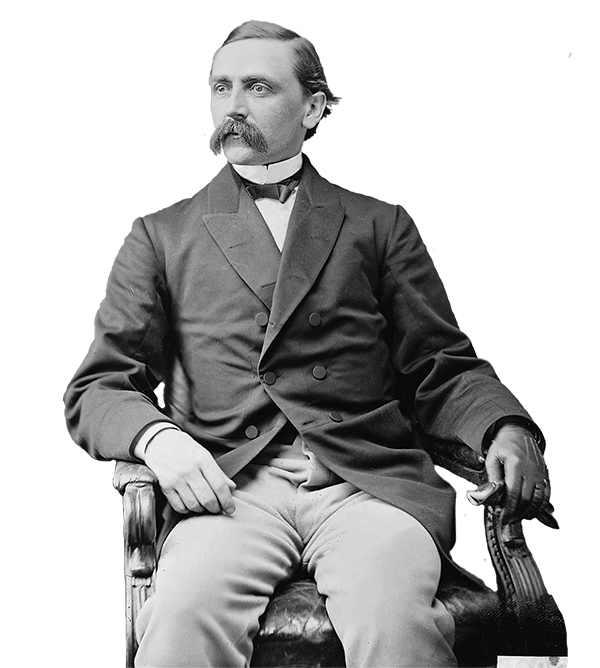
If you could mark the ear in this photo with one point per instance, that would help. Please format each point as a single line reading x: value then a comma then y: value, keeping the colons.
x: 314, y: 112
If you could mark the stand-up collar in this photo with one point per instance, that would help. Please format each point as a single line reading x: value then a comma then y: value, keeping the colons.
x: 278, y: 171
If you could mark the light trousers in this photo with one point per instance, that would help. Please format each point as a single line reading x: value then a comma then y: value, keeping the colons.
x: 378, y: 568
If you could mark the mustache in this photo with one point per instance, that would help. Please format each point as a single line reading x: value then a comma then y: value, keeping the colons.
x: 249, y: 134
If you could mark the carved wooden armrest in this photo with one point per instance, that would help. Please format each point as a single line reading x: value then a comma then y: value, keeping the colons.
x: 128, y: 472
x: 458, y: 459
x: 519, y: 581
x: 136, y: 483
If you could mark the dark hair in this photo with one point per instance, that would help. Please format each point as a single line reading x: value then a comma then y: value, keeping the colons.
x: 307, y: 66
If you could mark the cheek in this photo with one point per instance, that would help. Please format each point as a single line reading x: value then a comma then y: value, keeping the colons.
x: 282, y: 125
x: 217, y: 111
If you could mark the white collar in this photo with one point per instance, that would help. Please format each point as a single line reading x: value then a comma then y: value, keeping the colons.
x: 278, y: 171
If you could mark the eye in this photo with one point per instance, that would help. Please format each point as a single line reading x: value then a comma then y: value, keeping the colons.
x: 220, y: 89
x: 259, y: 89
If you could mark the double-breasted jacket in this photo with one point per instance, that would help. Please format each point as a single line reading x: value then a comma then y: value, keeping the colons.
x: 347, y: 334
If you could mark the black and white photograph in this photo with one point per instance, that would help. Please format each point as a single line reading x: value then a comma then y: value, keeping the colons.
x: 316, y: 343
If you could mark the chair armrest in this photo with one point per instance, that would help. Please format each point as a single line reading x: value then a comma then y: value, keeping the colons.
x: 128, y: 472
x: 136, y: 483
x: 458, y: 459
x: 517, y: 574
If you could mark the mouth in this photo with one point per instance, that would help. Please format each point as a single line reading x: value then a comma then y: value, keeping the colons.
x: 233, y: 135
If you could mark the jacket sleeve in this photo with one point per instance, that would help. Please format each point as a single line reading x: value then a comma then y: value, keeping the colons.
x: 111, y: 400
x: 452, y: 394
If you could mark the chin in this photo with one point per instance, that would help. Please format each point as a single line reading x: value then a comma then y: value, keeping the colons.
x: 239, y: 154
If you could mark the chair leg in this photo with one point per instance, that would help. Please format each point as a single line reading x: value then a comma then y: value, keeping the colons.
x: 137, y: 592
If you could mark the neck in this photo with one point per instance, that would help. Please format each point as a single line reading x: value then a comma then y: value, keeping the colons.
x: 272, y: 173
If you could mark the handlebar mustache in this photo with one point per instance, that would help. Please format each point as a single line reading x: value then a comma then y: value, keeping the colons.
x: 250, y: 134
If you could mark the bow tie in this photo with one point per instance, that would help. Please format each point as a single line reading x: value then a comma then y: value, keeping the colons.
x: 280, y: 191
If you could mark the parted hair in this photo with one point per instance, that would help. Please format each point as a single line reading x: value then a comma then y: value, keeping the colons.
x: 307, y: 65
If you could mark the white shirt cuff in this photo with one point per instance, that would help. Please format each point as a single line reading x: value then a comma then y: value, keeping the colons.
x: 139, y: 451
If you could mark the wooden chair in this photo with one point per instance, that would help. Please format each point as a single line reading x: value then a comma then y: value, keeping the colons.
x: 519, y: 619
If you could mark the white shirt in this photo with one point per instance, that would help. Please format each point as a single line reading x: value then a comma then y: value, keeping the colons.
x: 276, y: 215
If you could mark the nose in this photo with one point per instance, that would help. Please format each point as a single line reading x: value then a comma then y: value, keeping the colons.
x: 236, y: 104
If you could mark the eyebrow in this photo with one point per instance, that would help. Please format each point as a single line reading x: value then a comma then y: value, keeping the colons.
x: 248, y: 79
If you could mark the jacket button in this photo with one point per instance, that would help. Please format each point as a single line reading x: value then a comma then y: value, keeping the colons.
x: 261, y: 319
x: 335, y: 416
x: 319, y: 372
x: 251, y: 431
x: 269, y: 378
x: 315, y: 319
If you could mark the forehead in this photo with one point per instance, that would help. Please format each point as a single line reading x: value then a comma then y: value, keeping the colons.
x: 251, y: 57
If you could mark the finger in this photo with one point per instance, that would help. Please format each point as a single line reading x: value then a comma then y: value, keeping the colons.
x: 535, y: 490
x: 221, y: 487
x: 205, y: 495
x: 533, y: 453
x: 547, y: 505
x: 540, y: 494
x: 528, y: 488
x: 175, y: 501
x: 493, y: 466
x: 546, y: 495
x: 489, y: 493
x: 190, y: 499
x: 531, y: 508
x: 514, y: 483
x: 222, y: 494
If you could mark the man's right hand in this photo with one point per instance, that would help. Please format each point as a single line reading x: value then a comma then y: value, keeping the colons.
x: 188, y: 474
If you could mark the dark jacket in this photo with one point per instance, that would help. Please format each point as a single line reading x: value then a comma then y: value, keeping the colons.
x: 348, y: 335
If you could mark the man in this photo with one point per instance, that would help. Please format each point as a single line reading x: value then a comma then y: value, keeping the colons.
x: 307, y: 345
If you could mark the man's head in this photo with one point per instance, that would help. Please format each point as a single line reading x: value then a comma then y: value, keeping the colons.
x: 268, y: 94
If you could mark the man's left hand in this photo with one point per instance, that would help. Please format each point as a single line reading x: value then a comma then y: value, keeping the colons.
x: 515, y: 459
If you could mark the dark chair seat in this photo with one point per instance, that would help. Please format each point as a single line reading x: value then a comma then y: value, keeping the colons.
x: 296, y: 631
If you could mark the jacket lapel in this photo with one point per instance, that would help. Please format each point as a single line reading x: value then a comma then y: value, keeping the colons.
x: 235, y: 223
x: 313, y: 229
